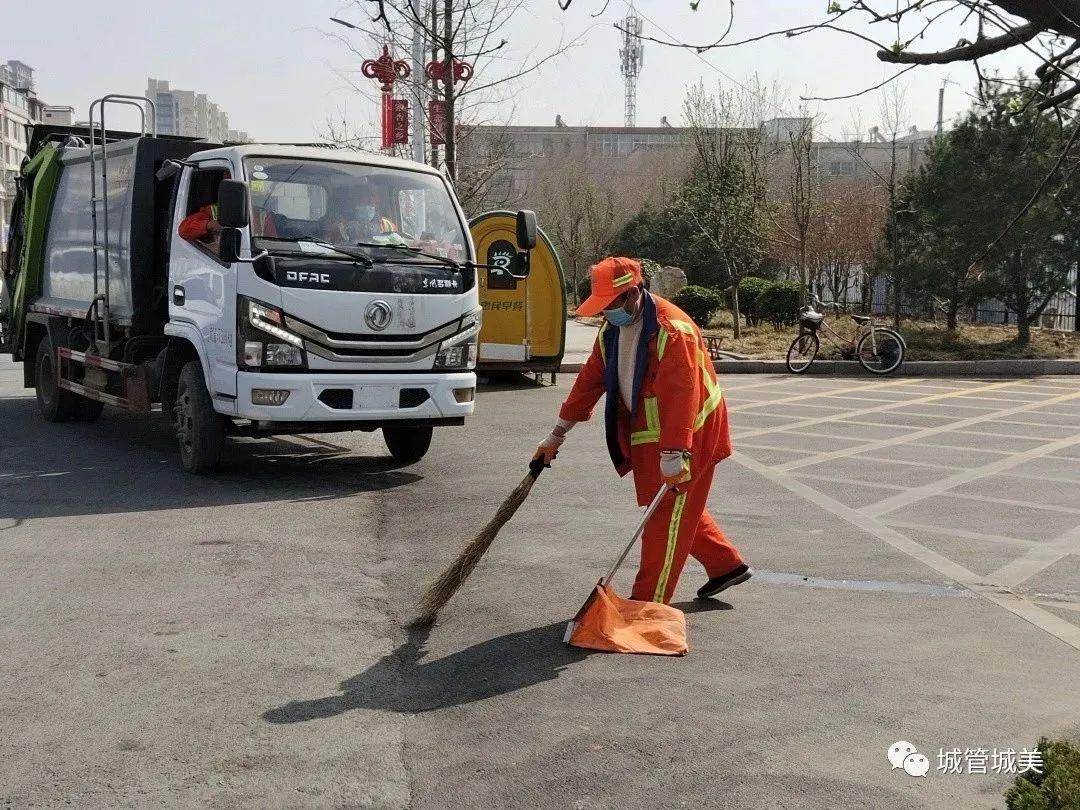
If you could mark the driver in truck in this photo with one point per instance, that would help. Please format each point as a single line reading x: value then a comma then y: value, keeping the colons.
x: 359, y: 220
x: 202, y: 224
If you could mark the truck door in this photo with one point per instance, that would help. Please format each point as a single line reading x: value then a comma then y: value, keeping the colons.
x: 202, y: 288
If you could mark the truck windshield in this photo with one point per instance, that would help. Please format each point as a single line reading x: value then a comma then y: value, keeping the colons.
x: 368, y: 208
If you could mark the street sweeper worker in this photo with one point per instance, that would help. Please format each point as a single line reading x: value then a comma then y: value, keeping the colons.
x: 665, y: 420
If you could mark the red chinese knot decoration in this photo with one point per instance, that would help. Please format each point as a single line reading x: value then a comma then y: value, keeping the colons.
x: 440, y: 70
x: 395, y: 112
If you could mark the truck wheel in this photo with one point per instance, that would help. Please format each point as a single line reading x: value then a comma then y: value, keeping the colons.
x: 200, y: 429
x: 407, y: 444
x: 57, y: 404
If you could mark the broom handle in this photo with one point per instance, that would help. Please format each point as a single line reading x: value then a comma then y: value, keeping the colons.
x: 640, y: 529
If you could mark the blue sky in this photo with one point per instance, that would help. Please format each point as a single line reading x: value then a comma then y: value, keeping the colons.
x: 273, y: 67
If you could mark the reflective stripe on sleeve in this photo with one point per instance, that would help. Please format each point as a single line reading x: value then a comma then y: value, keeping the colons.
x: 715, y: 393
x: 652, y: 424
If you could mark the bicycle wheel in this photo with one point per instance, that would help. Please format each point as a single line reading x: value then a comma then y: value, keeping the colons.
x: 801, y: 352
x: 882, y: 356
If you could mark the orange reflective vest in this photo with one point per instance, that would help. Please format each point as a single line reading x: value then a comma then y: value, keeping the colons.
x: 677, y: 401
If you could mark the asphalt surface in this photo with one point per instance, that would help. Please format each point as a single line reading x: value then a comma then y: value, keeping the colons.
x: 174, y: 641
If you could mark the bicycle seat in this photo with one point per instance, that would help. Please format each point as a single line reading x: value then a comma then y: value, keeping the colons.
x: 860, y: 318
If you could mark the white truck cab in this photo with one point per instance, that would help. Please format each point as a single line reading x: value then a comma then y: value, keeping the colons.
x: 250, y: 289
x: 349, y: 298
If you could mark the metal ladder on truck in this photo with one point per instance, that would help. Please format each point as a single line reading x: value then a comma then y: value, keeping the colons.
x: 99, y: 313
x: 96, y: 363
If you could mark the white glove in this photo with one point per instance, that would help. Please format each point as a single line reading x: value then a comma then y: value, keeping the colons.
x: 672, y: 465
x: 549, y: 447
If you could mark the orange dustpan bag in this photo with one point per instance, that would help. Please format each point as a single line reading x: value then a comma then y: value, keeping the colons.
x: 610, y: 623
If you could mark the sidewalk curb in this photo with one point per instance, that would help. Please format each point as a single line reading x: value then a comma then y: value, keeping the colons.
x: 915, y: 368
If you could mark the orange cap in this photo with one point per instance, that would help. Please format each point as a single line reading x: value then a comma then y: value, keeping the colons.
x: 609, y: 278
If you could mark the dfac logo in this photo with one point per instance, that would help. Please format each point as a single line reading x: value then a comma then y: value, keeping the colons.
x: 303, y: 275
x: 378, y: 315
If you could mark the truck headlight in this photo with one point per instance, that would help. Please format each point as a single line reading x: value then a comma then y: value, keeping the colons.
x: 263, y: 340
x: 460, y: 350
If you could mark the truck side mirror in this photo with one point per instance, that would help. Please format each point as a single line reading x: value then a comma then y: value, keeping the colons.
x: 526, y: 230
x: 519, y: 265
x: 233, y: 204
x: 229, y: 245
x: 170, y: 168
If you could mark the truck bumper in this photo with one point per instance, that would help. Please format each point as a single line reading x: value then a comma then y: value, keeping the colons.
x: 315, y: 397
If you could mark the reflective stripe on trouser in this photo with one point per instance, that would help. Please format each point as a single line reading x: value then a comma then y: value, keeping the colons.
x: 681, y: 526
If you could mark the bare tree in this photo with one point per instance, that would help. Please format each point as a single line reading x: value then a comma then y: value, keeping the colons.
x: 456, y: 31
x: 847, y: 231
x: 578, y: 213
x: 1048, y: 30
x: 889, y: 175
x: 796, y: 186
x: 726, y: 198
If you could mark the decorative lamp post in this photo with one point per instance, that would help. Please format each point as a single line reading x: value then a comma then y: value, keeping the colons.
x: 440, y: 70
x: 395, y: 112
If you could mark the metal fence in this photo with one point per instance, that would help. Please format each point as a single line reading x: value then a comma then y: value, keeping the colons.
x: 1060, y: 314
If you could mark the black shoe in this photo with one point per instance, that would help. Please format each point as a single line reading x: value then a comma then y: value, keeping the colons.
x: 735, y: 576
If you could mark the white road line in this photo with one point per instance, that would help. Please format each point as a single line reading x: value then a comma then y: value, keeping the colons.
x: 772, y: 447
x: 931, y: 431
x: 1043, y: 619
x: 1037, y: 559
x: 1046, y: 507
x: 1028, y: 424
x: 909, y: 463
x: 1005, y: 435
x: 823, y: 393
x: 1046, y: 479
x: 967, y: 535
x: 965, y: 476
x: 939, y: 446
x: 839, y: 479
x: 890, y: 407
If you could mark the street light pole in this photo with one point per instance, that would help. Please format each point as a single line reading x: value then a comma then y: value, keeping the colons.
x: 418, y: 77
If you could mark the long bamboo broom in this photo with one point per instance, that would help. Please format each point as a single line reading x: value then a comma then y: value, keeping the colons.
x: 454, y: 576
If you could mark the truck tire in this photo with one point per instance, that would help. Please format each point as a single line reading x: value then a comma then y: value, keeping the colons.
x: 200, y: 430
x: 56, y: 404
x: 407, y: 444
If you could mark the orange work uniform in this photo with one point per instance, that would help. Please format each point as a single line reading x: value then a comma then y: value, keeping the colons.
x: 677, y: 405
x: 196, y: 226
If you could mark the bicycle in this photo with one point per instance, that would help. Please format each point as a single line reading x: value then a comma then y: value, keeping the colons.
x: 878, y: 349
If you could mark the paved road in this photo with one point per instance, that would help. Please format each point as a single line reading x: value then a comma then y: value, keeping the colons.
x: 174, y: 641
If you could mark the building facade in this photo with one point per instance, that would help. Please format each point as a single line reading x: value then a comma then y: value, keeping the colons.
x: 191, y: 114
x: 19, y: 108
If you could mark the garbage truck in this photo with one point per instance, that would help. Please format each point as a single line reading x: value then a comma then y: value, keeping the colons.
x: 246, y: 289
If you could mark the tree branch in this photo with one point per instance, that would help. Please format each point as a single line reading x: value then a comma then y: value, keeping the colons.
x: 964, y: 53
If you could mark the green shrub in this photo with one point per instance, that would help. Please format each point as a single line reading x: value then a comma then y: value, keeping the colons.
x: 700, y: 303
x: 749, y: 290
x: 778, y: 303
x: 1056, y: 788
